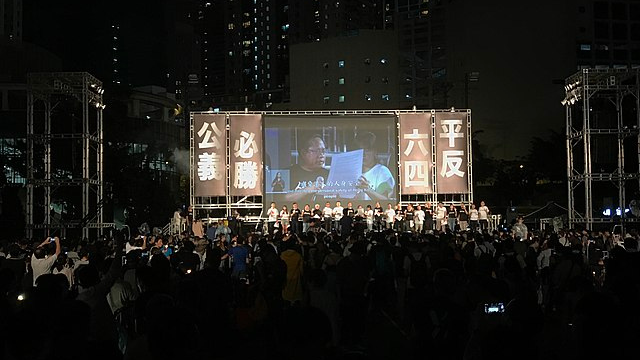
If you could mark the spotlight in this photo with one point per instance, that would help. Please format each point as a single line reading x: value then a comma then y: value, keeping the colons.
x: 103, y: 106
x: 97, y: 105
x: 21, y: 297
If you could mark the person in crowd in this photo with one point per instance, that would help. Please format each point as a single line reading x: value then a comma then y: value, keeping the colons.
x: 409, y: 216
x: 378, y: 213
x: 284, y: 219
x: 398, y: 221
x: 519, y: 229
x: 369, y: 218
x: 473, y: 218
x: 327, y: 216
x: 316, y: 219
x: 452, y: 217
x: 441, y: 217
x: 239, y: 256
x: 292, y: 292
x: 306, y: 218
x: 390, y: 215
x: 338, y: 213
x: 428, y: 218
x: 483, y: 216
x: 419, y: 219
x: 44, y: 257
x: 296, y: 219
x: 463, y: 217
x: 272, y: 217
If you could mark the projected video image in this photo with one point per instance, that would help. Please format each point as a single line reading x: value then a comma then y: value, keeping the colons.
x: 312, y: 160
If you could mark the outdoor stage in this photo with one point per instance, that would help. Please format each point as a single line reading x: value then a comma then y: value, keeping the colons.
x: 242, y: 161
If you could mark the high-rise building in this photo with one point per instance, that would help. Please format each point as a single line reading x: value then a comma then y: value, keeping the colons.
x: 346, y: 72
x: 11, y: 20
x: 607, y: 33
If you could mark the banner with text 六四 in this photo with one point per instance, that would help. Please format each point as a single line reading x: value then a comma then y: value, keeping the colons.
x: 210, y: 160
x: 451, y: 152
x: 415, y: 153
x: 245, y: 135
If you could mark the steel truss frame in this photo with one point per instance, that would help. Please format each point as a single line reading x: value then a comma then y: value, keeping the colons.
x: 224, y: 206
x: 48, y: 90
x: 583, y: 87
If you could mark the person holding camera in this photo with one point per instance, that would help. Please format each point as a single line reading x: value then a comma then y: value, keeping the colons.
x: 42, y: 259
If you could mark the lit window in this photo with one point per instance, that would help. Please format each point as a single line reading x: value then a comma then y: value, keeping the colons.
x: 341, y: 81
x: 325, y: 100
x: 341, y: 98
x: 585, y: 47
x: 325, y: 82
x: 340, y: 63
x: 368, y: 97
x: 385, y: 97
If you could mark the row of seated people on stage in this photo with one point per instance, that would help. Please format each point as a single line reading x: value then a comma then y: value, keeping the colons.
x: 412, y: 218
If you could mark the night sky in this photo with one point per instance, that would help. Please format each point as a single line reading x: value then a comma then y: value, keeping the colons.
x: 522, y: 51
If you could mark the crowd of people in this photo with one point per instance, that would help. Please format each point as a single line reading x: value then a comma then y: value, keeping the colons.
x: 365, y: 288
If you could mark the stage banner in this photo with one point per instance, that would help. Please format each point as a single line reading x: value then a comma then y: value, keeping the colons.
x: 245, y: 134
x: 451, y: 155
x: 210, y: 161
x: 415, y: 153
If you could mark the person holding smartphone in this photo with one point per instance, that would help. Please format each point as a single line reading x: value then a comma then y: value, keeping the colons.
x: 44, y: 257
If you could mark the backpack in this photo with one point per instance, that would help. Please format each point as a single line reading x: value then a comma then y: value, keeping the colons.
x: 418, y: 272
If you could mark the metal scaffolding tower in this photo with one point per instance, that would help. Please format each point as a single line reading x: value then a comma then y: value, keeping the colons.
x: 603, y: 143
x: 64, y: 154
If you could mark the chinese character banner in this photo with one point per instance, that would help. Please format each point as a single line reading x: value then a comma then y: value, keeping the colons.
x: 318, y: 159
x: 451, y: 152
x: 245, y: 134
x: 210, y: 162
x: 415, y: 153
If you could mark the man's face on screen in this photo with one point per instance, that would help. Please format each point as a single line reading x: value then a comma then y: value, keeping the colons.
x: 369, y: 158
x: 314, y: 156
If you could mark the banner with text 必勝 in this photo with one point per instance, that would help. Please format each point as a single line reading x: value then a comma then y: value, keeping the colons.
x: 245, y: 134
x: 451, y: 152
x: 415, y: 153
x: 209, y: 151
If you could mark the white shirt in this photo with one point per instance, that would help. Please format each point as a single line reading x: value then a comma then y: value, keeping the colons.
x: 441, y: 212
x: 327, y: 212
x: 543, y: 259
x: 273, y: 214
x: 473, y: 214
x: 338, y: 212
x: 390, y: 213
x: 369, y: 214
x: 483, y: 212
x: 42, y: 266
x: 419, y: 216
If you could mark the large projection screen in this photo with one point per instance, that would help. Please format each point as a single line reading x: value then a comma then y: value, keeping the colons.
x: 318, y: 159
